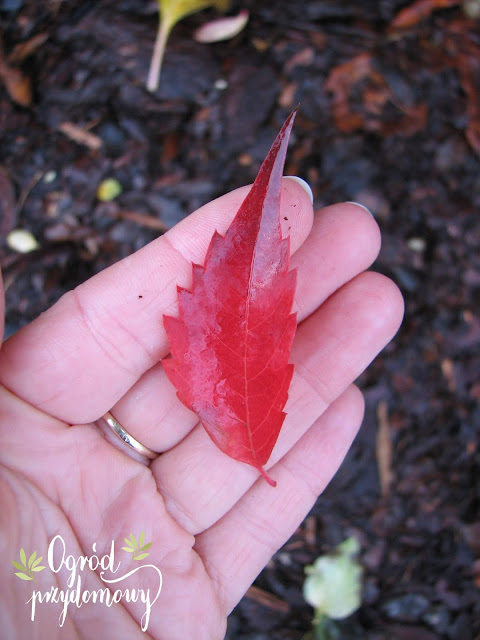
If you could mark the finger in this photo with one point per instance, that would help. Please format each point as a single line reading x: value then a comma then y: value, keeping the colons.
x: 2, y: 308
x: 333, y: 346
x: 243, y: 541
x: 83, y: 354
x: 344, y: 241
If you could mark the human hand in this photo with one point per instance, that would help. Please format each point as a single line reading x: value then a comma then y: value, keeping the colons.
x: 214, y: 522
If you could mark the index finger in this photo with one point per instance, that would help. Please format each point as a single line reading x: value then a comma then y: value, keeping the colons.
x: 79, y: 358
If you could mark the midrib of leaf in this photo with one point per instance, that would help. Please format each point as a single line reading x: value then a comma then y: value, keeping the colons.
x: 271, y: 175
x: 245, y: 337
x: 247, y: 331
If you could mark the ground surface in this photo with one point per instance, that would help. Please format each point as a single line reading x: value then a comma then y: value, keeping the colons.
x: 390, y: 117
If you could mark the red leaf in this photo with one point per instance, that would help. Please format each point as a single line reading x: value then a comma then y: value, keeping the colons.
x: 231, y: 344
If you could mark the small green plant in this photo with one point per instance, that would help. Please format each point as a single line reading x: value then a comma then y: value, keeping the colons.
x: 171, y: 12
x: 27, y: 569
x: 333, y: 587
x: 137, y: 549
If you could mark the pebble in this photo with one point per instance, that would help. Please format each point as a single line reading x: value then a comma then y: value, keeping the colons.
x: 407, y: 608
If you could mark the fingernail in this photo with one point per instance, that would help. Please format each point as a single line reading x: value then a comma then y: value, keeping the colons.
x: 361, y: 205
x: 303, y: 184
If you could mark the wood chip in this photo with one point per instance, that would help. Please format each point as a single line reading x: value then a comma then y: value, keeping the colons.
x: 267, y: 599
x: 287, y: 97
x: 8, y: 206
x: 80, y: 136
x: 449, y: 373
x: 310, y: 531
x: 384, y: 448
x: 142, y: 219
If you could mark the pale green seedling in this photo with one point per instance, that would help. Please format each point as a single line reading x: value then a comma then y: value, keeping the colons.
x: 333, y: 587
x: 171, y: 12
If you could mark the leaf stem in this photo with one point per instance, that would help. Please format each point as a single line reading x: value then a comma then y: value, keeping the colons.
x: 153, y: 78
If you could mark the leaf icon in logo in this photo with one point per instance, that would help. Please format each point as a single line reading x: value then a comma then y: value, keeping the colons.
x: 137, y: 548
x: 27, y: 569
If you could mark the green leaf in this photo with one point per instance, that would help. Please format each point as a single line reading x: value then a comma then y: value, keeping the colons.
x: 146, y: 546
x: 134, y: 540
x: 37, y: 561
x: 23, y: 576
x: 128, y: 549
x: 129, y: 543
x: 141, y: 539
x: 38, y: 568
x: 31, y: 559
x: 171, y: 12
x: 141, y: 556
x: 23, y: 557
x: 17, y: 565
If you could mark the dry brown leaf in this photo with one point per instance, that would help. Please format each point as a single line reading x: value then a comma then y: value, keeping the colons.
x: 469, y: 71
x: 17, y: 84
x: 358, y: 77
x: 23, y: 50
x: 418, y: 11
x: 340, y: 81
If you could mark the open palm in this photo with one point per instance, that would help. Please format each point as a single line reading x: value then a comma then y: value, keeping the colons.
x: 213, y: 522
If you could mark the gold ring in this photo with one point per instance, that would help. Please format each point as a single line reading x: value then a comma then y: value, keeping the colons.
x: 128, y: 439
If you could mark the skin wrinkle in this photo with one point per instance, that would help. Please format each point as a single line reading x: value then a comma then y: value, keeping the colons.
x: 308, y: 381
x: 179, y: 513
x: 184, y: 260
x: 101, y: 339
x: 38, y: 408
x: 308, y: 480
x: 220, y: 580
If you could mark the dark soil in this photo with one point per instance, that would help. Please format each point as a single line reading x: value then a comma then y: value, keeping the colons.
x: 390, y: 117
